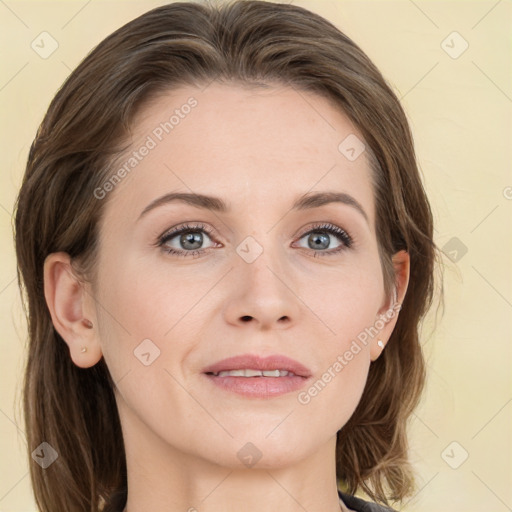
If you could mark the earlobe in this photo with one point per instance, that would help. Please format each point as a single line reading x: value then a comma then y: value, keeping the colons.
x: 64, y: 294
x: 388, y: 316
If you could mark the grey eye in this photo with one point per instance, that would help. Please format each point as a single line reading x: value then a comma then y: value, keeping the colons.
x: 191, y: 240
x: 317, y: 241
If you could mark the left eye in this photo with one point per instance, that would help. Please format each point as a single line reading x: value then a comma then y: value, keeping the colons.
x: 190, y: 238
x: 320, y: 236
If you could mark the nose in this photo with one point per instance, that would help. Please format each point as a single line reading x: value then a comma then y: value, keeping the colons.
x: 262, y: 294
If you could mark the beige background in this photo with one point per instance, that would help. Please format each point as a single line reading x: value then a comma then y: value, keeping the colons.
x: 459, y: 106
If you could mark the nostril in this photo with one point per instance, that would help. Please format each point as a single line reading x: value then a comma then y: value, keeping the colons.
x: 246, y: 318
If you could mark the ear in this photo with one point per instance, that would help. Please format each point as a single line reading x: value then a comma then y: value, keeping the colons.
x: 388, y: 314
x: 71, y: 310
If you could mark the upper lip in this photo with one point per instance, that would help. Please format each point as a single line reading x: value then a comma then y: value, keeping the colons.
x: 255, y: 362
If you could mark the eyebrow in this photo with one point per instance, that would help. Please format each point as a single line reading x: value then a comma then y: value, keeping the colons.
x: 216, y: 204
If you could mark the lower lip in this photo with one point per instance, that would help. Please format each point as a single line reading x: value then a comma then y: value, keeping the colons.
x: 259, y: 387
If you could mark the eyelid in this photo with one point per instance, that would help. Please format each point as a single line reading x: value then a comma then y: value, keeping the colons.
x: 187, y: 226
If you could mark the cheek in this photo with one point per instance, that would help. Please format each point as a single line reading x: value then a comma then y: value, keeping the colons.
x: 338, y: 386
x: 147, y: 324
x: 345, y: 299
x: 348, y: 305
x: 148, y: 301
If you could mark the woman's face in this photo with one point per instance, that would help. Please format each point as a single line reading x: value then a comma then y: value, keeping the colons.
x: 260, y: 277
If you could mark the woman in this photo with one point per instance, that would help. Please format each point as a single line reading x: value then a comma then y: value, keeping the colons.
x: 226, y: 251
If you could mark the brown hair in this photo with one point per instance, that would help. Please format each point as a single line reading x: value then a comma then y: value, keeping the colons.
x: 74, y: 409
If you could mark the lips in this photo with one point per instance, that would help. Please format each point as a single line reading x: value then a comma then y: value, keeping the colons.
x: 256, y: 377
x: 253, y: 362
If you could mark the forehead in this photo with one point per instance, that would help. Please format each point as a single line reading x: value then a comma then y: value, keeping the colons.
x: 253, y: 146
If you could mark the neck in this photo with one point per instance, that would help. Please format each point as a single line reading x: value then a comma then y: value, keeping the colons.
x: 162, y: 478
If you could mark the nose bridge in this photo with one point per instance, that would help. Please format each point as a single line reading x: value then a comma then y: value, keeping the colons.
x: 263, y: 292
x: 261, y: 262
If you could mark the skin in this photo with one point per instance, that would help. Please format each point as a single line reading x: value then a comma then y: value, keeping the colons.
x: 258, y: 149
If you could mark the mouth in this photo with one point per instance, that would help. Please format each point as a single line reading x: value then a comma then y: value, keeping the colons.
x: 247, y: 372
x: 253, y: 376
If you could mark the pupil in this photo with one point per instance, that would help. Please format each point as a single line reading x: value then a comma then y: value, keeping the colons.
x: 323, y: 243
x: 192, y: 238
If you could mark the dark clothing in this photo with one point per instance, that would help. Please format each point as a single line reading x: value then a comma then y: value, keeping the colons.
x: 360, y: 505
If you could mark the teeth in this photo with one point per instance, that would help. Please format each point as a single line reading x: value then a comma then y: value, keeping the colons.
x: 273, y: 373
x: 253, y: 373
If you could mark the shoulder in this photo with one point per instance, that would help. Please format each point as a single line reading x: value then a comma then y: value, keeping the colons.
x: 360, y: 505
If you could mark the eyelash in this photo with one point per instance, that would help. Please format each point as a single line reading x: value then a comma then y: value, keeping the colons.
x: 342, y: 235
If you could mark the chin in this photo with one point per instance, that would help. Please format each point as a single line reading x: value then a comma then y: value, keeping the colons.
x: 272, y: 452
